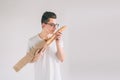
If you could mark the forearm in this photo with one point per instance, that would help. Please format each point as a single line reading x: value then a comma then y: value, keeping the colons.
x: 60, y: 52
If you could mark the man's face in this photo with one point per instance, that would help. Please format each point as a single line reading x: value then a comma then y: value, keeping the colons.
x: 51, y: 26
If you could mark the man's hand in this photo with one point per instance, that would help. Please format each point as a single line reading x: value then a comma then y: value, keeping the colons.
x: 38, y: 54
x: 58, y: 36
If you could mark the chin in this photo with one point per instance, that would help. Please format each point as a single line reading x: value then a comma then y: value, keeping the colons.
x: 52, y: 32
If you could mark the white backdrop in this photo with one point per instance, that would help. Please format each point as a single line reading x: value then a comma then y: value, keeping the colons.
x: 92, y: 41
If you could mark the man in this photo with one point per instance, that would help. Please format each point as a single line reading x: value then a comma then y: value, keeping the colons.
x: 47, y: 66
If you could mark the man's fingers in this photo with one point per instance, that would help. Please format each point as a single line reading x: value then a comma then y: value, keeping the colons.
x: 59, y: 33
x: 41, y: 50
x: 37, y: 52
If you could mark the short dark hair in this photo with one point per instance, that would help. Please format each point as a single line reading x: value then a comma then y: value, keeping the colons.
x: 46, y: 15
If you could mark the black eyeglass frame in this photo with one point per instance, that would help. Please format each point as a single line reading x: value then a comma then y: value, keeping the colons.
x: 53, y: 25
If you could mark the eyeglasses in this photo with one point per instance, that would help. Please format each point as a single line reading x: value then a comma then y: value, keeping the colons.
x: 53, y: 25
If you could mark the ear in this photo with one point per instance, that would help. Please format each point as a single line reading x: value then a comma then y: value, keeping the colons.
x: 43, y: 25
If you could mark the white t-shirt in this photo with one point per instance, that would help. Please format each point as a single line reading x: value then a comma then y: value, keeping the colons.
x: 48, y: 66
